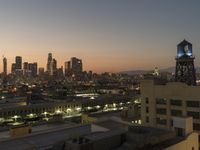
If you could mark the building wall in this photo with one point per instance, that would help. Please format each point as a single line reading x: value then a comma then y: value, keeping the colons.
x: 38, y: 109
x: 155, y: 114
x: 160, y: 103
x: 190, y: 143
x: 20, y: 131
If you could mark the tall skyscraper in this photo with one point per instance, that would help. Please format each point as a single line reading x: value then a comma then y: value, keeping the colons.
x: 76, y: 65
x: 185, y: 71
x: 49, y: 63
x: 5, y: 66
x: 25, y: 68
x: 13, y: 68
x: 74, y: 68
x: 41, y: 71
x: 18, y: 62
x: 32, y: 67
x: 54, y: 66
x: 67, y: 68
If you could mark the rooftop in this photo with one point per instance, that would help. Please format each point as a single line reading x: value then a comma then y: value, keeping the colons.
x: 42, y: 136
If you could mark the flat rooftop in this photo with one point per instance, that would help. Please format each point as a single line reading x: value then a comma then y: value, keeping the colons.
x: 42, y: 136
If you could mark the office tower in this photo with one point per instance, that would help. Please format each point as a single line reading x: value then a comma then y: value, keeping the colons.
x: 185, y: 71
x: 13, y: 68
x: 76, y: 65
x: 67, y: 68
x: 5, y: 66
x: 32, y: 67
x: 41, y: 71
x: 49, y: 63
x: 18, y: 62
x: 74, y: 68
x: 25, y: 68
x: 54, y: 66
x: 35, y: 69
x: 59, y: 73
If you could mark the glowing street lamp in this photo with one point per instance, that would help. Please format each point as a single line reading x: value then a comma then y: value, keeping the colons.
x: 45, y: 113
x: 31, y: 115
x: 78, y: 108
x: 97, y: 106
x: 69, y: 110
x: 58, y: 111
x: 89, y: 108
x: 15, y: 118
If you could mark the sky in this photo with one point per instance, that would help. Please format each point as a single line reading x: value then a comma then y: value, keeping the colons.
x: 108, y: 35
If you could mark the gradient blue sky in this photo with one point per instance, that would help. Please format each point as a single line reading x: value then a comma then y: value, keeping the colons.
x: 109, y: 35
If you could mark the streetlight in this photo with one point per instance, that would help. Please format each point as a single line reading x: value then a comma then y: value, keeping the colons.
x: 15, y: 118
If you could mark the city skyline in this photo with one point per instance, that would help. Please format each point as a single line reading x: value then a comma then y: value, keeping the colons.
x: 108, y: 36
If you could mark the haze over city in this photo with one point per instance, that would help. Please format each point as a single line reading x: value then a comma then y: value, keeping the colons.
x: 111, y: 36
x: 99, y: 75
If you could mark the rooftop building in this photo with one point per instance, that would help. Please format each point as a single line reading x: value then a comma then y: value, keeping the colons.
x: 104, y: 134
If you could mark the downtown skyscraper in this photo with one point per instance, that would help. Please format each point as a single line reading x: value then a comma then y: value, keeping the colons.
x: 4, y: 66
x: 51, y: 65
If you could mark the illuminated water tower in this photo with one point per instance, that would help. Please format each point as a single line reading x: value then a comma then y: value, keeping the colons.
x: 185, y: 71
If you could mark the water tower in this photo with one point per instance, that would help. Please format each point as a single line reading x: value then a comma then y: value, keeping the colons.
x: 185, y: 71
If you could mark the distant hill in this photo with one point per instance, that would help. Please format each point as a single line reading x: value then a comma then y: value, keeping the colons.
x: 169, y: 69
x: 134, y: 72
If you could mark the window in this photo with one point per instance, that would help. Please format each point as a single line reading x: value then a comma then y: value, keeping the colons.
x: 196, y: 126
x: 162, y: 101
x: 176, y: 102
x: 147, y: 109
x: 195, y: 115
x: 192, y: 103
x: 161, y: 121
x: 176, y: 112
x: 147, y: 119
x: 179, y: 131
x: 161, y: 111
x: 172, y: 123
x: 147, y: 100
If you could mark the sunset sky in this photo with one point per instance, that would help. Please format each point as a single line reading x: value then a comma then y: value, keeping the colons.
x: 108, y: 35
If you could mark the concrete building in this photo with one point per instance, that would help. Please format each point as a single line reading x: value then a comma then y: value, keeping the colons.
x: 5, y: 66
x: 74, y: 68
x: 13, y: 68
x: 76, y: 65
x: 50, y: 64
x: 67, y: 67
x: 51, y: 136
x: 25, y: 68
x: 17, y: 66
x: 18, y: 62
x: 160, y: 103
x: 10, y: 110
x: 104, y: 134
x: 41, y: 71
x: 32, y: 67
